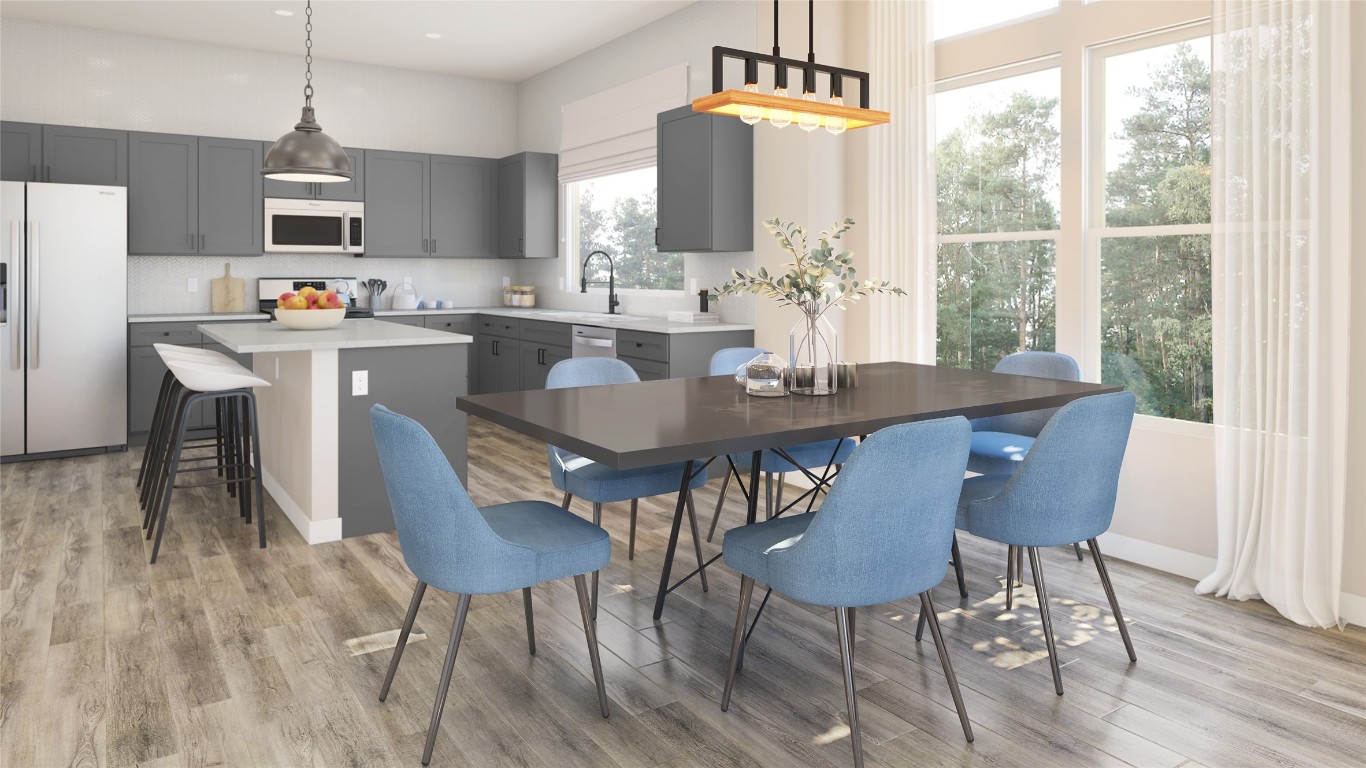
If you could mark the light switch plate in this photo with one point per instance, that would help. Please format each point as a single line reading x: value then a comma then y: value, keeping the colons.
x: 360, y: 383
x: 192, y: 285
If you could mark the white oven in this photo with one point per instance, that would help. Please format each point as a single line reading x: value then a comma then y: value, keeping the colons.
x: 314, y: 226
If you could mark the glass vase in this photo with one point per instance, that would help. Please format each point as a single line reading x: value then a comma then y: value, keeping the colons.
x: 764, y: 376
x: 813, y: 349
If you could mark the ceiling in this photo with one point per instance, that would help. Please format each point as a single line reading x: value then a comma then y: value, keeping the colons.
x: 508, y: 40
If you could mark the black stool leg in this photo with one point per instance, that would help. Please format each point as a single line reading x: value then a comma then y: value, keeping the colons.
x: 157, y: 478
x: 171, y: 473
x: 157, y: 440
x: 157, y: 417
x: 255, y: 469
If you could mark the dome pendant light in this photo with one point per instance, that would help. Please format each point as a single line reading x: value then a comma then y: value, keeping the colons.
x: 306, y: 153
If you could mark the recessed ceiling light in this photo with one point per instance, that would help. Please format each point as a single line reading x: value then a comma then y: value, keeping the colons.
x: 284, y: 13
x: 433, y: 35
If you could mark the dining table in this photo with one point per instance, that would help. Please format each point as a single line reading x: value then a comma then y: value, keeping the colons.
x: 693, y: 421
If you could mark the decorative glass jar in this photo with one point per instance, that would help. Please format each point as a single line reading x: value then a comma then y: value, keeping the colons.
x: 814, y: 349
x: 764, y: 376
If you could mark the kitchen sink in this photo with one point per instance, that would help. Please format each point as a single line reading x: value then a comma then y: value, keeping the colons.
x: 592, y: 317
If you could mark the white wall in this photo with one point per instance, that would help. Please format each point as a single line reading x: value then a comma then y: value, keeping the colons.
x: 1354, y: 558
x: 75, y: 76
x: 686, y: 36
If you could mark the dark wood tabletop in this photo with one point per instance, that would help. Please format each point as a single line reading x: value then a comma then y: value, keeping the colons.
x: 655, y: 422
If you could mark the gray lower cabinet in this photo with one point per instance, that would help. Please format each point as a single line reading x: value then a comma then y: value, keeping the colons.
x: 537, y: 360
x: 464, y: 207
x: 676, y: 355
x: 528, y: 206
x: 21, y: 151
x: 63, y: 154
x: 146, y: 370
x: 194, y: 195
x: 706, y: 182
x: 397, y: 203
x: 459, y: 324
x: 499, y: 364
x: 353, y: 190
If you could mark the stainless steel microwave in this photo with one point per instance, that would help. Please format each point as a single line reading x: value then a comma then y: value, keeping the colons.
x: 314, y: 226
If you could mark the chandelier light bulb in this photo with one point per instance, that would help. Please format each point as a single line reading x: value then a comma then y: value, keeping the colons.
x: 835, y: 125
x: 750, y: 115
x: 808, y: 121
x: 780, y: 118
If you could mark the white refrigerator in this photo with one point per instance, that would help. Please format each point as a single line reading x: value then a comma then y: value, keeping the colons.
x: 64, y: 354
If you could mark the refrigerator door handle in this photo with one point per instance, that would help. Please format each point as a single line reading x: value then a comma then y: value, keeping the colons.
x: 16, y: 309
x: 34, y: 273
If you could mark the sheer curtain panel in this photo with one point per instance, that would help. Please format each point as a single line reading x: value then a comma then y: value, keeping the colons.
x: 1282, y: 138
x: 901, y: 200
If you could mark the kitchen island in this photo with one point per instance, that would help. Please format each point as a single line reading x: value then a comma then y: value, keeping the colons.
x: 317, y: 451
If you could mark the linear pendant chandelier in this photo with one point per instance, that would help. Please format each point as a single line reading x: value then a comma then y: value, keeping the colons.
x: 307, y: 154
x: 781, y: 110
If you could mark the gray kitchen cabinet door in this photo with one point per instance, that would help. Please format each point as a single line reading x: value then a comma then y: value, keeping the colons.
x: 230, y: 206
x: 705, y: 183
x: 414, y: 320
x: 537, y: 360
x: 354, y: 189
x: 21, y: 151
x: 464, y: 211
x: 85, y: 156
x: 163, y: 194
x: 397, y: 205
x: 528, y: 206
x: 499, y: 365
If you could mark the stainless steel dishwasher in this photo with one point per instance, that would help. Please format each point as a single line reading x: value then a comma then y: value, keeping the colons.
x: 591, y: 341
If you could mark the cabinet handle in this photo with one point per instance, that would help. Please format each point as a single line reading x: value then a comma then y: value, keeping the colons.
x: 540, y: 357
x: 656, y: 236
x: 495, y: 347
x: 201, y: 243
x: 433, y: 251
x: 425, y: 249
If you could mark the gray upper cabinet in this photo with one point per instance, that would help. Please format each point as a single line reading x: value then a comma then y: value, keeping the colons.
x: 63, y: 155
x: 464, y: 211
x: 338, y: 190
x: 528, y: 206
x: 163, y: 194
x: 85, y: 156
x: 21, y: 151
x: 706, y: 182
x: 230, y: 205
x: 397, y: 205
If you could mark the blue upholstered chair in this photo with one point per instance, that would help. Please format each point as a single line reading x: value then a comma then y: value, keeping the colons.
x: 457, y: 547
x: 882, y: 534
x: 811, y: 456
x: 1063, y: 492
x: 591, y: 481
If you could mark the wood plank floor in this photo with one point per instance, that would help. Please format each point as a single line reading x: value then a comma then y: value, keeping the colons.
x: 224, y: 654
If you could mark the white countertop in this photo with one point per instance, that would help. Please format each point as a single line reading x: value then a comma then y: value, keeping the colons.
x: 603, y: 320
x: 600, y: 319
x: 351, y: 334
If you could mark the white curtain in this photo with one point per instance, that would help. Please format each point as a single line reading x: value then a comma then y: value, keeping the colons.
x: 1281, y: 95
x: 901, y: 200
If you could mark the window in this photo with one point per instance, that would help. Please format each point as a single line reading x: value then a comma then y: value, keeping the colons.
x: 998, y: 158
x: 1156, y: 317
x: 616, y: 213
x: 1073, y: 151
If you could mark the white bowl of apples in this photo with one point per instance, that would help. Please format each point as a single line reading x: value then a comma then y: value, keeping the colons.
x: 309, y: 309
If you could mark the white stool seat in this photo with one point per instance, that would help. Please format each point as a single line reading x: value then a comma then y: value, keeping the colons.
x: 206, y: 376
x: 192, y: 354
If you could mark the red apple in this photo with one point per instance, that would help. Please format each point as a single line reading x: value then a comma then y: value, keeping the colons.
x: 286, y: 296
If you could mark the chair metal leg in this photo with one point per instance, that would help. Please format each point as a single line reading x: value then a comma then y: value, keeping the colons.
x: 530, y: 622
x: 1042, y: 593
x: 768, y: 495
x: 418, y: 592
x: 850, y: 699
x: 778, y: 498
x: 590, y: 633
x: 742, y: 613
x: 853, y: 627
x: 1010, y: 575
x: 927, y: 609
x: 920, y: 625
x: 1077, y: 549
x: 1110, y: 593
x: 720, y: 501
x: 958, y: 569
x: 697, y: 543
x: 631, y: 547
x: 568, y: 497
x: 1019, y: 566
x: 461, y: 611
x: 597, y: 520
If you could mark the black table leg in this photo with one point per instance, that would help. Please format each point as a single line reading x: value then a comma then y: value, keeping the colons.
x: 673, y: 539
x: 752, y: 513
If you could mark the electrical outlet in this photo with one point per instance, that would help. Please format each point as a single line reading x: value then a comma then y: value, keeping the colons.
x: 192, y: 285
x: 360, y: 383
x: 561, y: 283
x: 506, y: 281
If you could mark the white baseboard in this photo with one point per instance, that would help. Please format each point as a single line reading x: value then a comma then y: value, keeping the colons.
x: 1353, y: 608
x: 313, y: 531
x: 1157, y: 556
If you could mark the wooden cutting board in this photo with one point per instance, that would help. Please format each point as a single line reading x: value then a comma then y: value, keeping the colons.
x: 229, y: 293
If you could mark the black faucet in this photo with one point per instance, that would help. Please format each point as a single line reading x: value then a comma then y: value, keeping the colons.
x: 584, y: 282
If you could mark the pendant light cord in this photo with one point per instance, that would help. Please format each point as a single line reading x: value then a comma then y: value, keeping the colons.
x: 811, y: 31
x: 308, y: 54
x: 775, y: 28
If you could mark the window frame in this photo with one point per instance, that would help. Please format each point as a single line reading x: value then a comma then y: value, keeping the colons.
x: 569, y: 237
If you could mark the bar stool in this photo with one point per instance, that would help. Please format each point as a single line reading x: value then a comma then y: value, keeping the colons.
x: 198, y: 377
